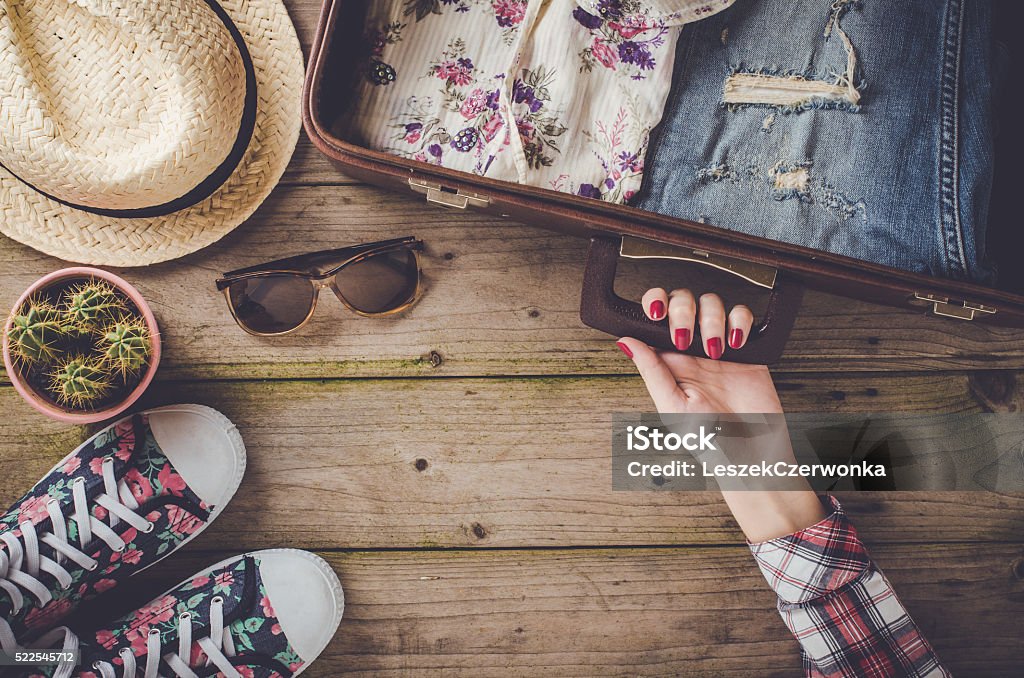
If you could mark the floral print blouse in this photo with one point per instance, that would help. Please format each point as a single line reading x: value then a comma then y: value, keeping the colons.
x: 560, y: 94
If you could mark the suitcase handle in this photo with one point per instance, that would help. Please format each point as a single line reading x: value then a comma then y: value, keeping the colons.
x: 603, y: 309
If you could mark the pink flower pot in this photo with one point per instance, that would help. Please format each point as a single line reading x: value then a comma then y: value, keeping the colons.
x: 26, y: 391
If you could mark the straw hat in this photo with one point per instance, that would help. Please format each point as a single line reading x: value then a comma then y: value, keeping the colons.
x: 137, y: 131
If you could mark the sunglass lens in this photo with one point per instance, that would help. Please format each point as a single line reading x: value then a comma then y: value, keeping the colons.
x: 381, y: 282
x: 271, y: 304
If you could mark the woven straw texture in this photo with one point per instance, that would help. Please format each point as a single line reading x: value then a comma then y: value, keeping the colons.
x: 125, y: 104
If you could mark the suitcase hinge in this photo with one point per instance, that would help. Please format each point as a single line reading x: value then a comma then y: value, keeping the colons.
x: 951, y: 308
x: 448, y: 197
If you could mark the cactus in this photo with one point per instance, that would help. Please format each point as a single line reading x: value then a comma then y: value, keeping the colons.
x: 80, y: 343
x: 80, y: 382
x: 125, y: 345
x: 91, y: 304
x: 35, y: 332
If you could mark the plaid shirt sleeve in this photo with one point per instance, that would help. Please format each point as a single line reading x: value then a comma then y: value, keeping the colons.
x: 840, y: 606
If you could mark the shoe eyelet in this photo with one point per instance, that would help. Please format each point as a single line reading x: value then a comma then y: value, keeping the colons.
x: 185, y: 617
x: 80, y: 480
x: 122, y: 549
x: 149, y: 528
x: 154, y: 632
x: 107, y: 460
x: 95, y: 564
x: 217, y: 599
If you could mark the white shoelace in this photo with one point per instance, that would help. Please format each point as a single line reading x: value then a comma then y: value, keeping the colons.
x: 22, y: 563
x: 218, y: 646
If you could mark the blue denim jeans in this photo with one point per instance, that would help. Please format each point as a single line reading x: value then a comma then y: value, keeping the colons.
x: 860, y: 127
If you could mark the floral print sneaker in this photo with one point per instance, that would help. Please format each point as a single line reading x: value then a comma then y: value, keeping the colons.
x: 126, y: 498
x: 266, y: 614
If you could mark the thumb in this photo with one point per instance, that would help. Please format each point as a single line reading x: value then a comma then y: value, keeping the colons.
x: 660, y: 381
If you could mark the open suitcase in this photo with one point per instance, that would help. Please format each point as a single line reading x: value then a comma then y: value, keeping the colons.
x: 624, y: 231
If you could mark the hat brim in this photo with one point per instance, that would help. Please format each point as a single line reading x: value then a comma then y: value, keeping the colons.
x: 76, y: 235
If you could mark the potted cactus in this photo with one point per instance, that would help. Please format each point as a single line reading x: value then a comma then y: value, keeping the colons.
x: 81, y: 345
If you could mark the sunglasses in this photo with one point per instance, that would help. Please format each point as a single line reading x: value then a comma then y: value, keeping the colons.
x: 279, y: 297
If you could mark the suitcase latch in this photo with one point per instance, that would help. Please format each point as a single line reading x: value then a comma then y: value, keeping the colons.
x: 951, y: 308
x: 448, y: 197
x: 641, y: 248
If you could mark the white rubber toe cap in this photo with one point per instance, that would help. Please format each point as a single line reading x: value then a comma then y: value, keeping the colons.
x: 306, y: 596
x: 204, y: 447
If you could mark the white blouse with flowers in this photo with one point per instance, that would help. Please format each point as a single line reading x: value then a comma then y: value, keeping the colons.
x: 582, y: 83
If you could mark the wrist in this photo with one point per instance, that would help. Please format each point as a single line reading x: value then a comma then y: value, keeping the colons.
x: 765, y: 515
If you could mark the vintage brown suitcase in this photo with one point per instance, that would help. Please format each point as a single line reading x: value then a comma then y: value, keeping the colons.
x: 623, y: 231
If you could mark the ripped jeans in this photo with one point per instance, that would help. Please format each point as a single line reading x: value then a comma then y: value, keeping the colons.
x: 860, y: 127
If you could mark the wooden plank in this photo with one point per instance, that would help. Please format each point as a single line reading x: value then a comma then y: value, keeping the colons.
x: 691, y: 611
x: 310, y: 167
x: 485, y: 462
x: 501, y: 299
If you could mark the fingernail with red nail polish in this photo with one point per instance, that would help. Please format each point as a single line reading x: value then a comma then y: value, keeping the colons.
x: 682, y: 339
x: 625, y: 349
x: 736, y: 338
x: 715, y: 348
x: 657, y: 309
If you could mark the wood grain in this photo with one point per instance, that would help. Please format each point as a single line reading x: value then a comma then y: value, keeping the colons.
x: 501, y: 299
x: 626, y: 612
x: 475, y: 462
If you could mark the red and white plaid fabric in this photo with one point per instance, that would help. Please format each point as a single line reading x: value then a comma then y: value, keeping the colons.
x: 840, y: 606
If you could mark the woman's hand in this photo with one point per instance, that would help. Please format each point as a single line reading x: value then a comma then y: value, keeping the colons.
x: 683, y: 384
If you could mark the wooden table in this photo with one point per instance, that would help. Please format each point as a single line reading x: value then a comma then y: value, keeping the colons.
x: 453, y: 464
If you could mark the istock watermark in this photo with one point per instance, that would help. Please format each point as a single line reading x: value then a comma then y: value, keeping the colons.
x: 982, y: 452
x: 643, y: 438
